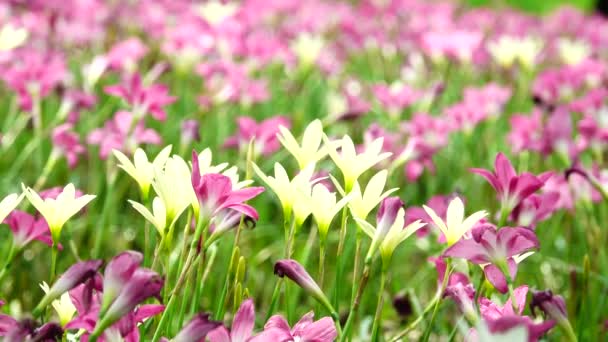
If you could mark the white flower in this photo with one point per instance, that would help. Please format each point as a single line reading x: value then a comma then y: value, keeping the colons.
x: 307, y: 48
x: 508, y: 50
x: 352, y: 164
x: 214, y: 12
x: 455, y: 226
x: 8, y: 204
x: 58, y: 211
x: 12, y: 37
x: 63, y: 306
x: 311, y: 150
x: 361, y: 204
x: 572, y: 51
x: 141, y: 170
x: 324, y: 207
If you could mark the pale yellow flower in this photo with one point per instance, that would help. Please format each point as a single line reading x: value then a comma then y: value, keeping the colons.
x: 324, y: 207
x: 63, y: 306
x: 362, y: 203
x: 307, y: 48
x: 214, y: 12
x: 58, y: 211
x: 573, y: 51
x: 508, y: 50
x: 310, y: 151
x: 158, y: 216
x: 12, y: 37
x: 455, y: 225
x: 173, y: 185
x: 8, y: 204
x: 141, y: 170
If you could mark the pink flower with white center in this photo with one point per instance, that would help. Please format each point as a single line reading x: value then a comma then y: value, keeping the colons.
x: 67, y: 142
x: 396, y: 97
x: 536, y: 208
x: 123, y: 134
x: 495, y: 250
x: 126, y: 54
x: 306, y: 330
x: 143, y: 99
x: 242, y: 326
x: 510, y: 187
x: 215, y: 193
x: 526, y: 131
x: 26, y: 228
x: 264, y: 133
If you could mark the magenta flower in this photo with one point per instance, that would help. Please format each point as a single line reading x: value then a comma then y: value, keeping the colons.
x: 297, y: 273
x: 510, y: 187
x: 458, y: 45
x: 242, y: 326
x: 536, y: 208
x: 28, y: 330
x: 526, y: 132
x: 126, y: 54
x: 264, y: 133
x: 143, y: 99
x: 552, y: 305
x: 495, y: 250
x: 122, y: 134
x: 26, y: 228
x: 215, y: 193
x: 117, y: 274
x: 199, y: 327
x: 67, y: 142
x: 306, y: 330
x: 190, y: 132
x: 395, y: 98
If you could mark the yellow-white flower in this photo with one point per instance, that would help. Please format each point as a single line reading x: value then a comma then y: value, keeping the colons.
x: 351, y: 164
x: 173, y: 186
x: 58, y: 211
x: 508, y: 50
x: 389, y: 240
x: 573, y: 51
x: 215, y: 12
x: 311, y: 150
x: 289, y: 191
x: 12, y: 37
x: 63, y: 306
x: 361, y: 204
x: 455, y: 225
x: 8, y: 204
x: 307, y: 48
x: 92, y: 72
x: 324, y: 207
x: 141, y: 170
x: 205, y: 165
x: 158, y: 216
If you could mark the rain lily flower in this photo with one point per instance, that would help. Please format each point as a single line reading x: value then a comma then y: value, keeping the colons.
x: 205, y: 166
x: 306, y: 329
x: 495, y: 250
x: 390, y: 230
x: 297, y: 273
x: 12, y: 37
x: 117, y: 274
x: 151, y: 99
x: 554, y: 307
x: 455, y: 225
x: 126, y: 54
x: 74, y: 276
x: 242, y: 326
x: 67, y: 142
x: 8, y: 204
x: 190, y: 132
x: 264, y: 133
x: 172, y: 184
x: 289, y: 191
x: 215, y: 12
x: 199, y: 327
x: 63, y: 306
x: 573, y: 51
x: 310, y: 151
x: 307, y: 48
x: 351, y: 163
x: 215, y: 192
x: 26, y: 228
x: 508, y: 50
x: 361, y: 204
x: 28, y: 330
x: 510, y: 187
x: 58, y: 211
x: 324, y: 207
x: 158, y: 216
x: 536, y: 208
x: 141, y: 170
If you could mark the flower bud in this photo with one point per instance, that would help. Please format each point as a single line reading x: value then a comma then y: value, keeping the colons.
x: 118, y: 272
x: 293, y: 270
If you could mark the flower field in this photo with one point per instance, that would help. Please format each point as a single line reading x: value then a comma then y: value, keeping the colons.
x: 302, y: 171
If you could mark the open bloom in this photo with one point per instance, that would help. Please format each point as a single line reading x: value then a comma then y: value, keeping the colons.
x: 495, y: 250
x: 141, y: 170
x: 510, y: 187
x: 390, y: 230
x: 158, y: 215
x: 8, y: 204
x: 264, y: 134
x: 12, y: 37
x: 455, y: 225
x: 288, y: 191
x: 277, y: 329
x: 58, y: 211
x: 143, y: 99
x: 363, y: 202
x: 242, y: 326
x: 171, y: 184
x: 310, y: 151
x: 351, y: 163
x: 324, y: 207
x: 26, y: 228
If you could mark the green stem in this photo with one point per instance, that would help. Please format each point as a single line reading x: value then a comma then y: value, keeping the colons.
x: 321, y: 263
x: 354, y: 306
x: 417, y: 321
x: 53, y: 262
x: 275, y: 298
x: 444, y: 284
x: 378, y: 316
x: 339, y: 260
x: 9, y: 259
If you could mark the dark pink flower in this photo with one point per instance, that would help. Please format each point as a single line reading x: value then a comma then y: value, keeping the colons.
x: 510, y: 187
x: 264, y: 133
x: 535, y: 208
x: 215, y: 193
x: 68, y: 143
x: 143, y: 99
x: 297, y: 273
x: 242, y: 326
x: 495, y: 250
x: 117, y: 274
x: 199, y: 327
x: 26, y: 228
x: 306, y: 330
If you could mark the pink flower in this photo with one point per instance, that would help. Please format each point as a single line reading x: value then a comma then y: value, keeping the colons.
x: 142, y: 99
x: 199, y: 327
x: 26, y: 228
x: 264, y: 133
x: 459, y: 45
x: 68, y: 143
x: 510, y: 187
x: 526, y: 131
x: 395, y: 98
x: 536, y: 208
x: 306, y: 330
x: 242, y: 326
x: 122, y: 134
x: 126, y: 54
x: 495, y: 250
